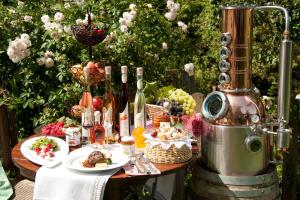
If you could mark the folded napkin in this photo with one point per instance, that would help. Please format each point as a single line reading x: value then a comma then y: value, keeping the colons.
x: 132, y: 170
x: 5, y: 187
x: 61, y: 183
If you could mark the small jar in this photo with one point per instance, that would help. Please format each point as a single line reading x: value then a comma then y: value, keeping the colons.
x: 73, y: 136
x: 128, y: 145
x: 156, y: 121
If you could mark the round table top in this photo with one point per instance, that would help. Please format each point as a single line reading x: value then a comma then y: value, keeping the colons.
x: 28, y: 169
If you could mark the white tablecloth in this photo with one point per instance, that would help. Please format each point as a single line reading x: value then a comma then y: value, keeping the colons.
x: 60, y: 183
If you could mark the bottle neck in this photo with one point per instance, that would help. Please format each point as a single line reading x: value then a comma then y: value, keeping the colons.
x: 139, y: 83
x: 108, y: 83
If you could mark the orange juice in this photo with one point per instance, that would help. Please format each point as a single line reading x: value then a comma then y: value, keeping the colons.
x: 137, y: 133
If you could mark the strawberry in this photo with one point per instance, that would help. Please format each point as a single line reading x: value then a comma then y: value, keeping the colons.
x: 38, y: 150
x: 49, y: 145
x: 51, y: 154
x: 154, y: 134
x: 46, y: 149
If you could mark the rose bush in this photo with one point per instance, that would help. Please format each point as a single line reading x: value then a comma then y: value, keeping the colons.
x: 37, y: 48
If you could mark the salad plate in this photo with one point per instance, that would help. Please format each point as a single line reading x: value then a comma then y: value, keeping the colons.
x: 77, y: 157
x: 58, y: 150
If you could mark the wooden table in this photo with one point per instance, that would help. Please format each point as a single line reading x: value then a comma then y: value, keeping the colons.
x: 118, y: 181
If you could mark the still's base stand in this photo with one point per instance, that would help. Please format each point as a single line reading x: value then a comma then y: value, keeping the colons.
x: 207, y: 185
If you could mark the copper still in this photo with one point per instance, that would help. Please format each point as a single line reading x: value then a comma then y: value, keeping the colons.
x: 239, y: 142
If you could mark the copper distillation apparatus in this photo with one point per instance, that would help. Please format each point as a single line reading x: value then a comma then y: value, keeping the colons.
x: 237, y: 149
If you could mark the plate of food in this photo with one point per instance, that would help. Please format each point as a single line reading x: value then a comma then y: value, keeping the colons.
x: 94, y: 160
x: 45, y: 150
x: 167, y: 134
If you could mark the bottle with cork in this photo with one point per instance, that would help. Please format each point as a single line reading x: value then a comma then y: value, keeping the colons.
x: 139, y: 112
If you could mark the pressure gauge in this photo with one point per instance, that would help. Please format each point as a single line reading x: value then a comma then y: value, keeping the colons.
x: 225, y: 39
x: 224, y: 78
x: 215, y: 106
x: 254, y: 118
x: 225, y: 52
x: 224, y: 66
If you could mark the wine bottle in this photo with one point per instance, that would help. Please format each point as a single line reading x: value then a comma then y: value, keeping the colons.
x: 98, y: 129
x: 124, y: 116
x: 139, y: 102
x: 108, y: 109
x: 87, y: 121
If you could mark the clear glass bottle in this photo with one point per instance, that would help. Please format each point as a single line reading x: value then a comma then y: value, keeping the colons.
x: 139, y: 112
x: 87, y: 120
x: 108, y: 109
x: 98, y: 129
x: 123, y: 103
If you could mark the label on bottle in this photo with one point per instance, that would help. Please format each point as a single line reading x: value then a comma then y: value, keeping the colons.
x: 139, y: 84
x: 107, y: 121
x: 108, y: 129
x: 124, y: 78
x: 139, y: 119
x: 124, y: 121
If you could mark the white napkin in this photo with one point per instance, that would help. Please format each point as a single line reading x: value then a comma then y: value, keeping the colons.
x: 60, y: 183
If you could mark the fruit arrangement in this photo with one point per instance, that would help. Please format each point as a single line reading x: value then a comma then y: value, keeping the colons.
x: 96, y: 73
x: 44, y: 147
x: 88, y: 35
x: 54, y: 129
x: 184, y: 99
x: 178, y: 103
x: 168, y: 133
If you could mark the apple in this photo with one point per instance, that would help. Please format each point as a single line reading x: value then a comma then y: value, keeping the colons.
x: 97, y: 102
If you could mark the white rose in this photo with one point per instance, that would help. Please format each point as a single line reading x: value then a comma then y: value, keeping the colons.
x: 49, y: 62
x: 132, y: 6
x: 25, y: 36
x: 164, y: 45
x: 58, y: 16
x: 184, y: 28
x: 170, y: 4
x: 48, y: 54
x: 189, y: 68
x: 149, y: 5
x: 40, y: 61
x: 21, y: 45
x: 180, y: 23
x: 67, y: 29
x: 45, y: 18
x: 127, y: 16
x: 170, y: 16
x: 122, y: 21
x: 79, y: 2
x: 175, y: 7
x: 27, y: 18
x: 124, y: 28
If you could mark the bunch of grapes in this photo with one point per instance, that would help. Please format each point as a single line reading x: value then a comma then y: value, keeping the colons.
x: 174, y: 108
x: 54, y: 129
x: 184, y: 99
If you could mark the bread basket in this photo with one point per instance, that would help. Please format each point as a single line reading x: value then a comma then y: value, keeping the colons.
x: 173, y: 154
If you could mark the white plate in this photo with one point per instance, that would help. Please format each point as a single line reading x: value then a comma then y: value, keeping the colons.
x: 75, y: 159
x: 60, y: 153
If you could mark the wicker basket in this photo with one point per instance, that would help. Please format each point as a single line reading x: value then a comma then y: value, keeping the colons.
x: 154, y: 111
x: 172, y: 155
